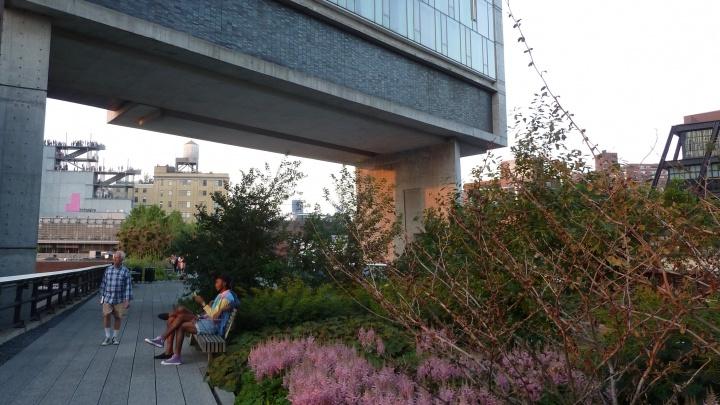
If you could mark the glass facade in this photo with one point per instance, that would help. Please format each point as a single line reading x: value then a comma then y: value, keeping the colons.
x: 697, y: 142
x: 462, y: 30
x: 693, y: 172
x: 684, y: 173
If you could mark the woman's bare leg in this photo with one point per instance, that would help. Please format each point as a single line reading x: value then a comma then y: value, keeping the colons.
x: 188, y: 327
x: 177, y: 322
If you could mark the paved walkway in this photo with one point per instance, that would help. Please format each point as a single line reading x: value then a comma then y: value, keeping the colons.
x: 67, y: 365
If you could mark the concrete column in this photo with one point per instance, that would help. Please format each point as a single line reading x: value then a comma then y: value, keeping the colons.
x: 24, y: 60
x: 421, y: 178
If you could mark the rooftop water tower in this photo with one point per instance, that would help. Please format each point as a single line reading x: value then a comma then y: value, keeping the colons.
x: 189, y: 159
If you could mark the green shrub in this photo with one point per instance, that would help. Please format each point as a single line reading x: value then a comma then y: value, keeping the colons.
x: 267, y: 391
x: 296, y: 303
x: 140, y: 263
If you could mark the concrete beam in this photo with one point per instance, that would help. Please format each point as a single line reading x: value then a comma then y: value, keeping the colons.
x: 136, y: 57
x: 24, y: 61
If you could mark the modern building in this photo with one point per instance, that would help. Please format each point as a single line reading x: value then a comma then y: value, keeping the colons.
x: 401, y: 89
x: 695, y: 157
x: 82, y: 203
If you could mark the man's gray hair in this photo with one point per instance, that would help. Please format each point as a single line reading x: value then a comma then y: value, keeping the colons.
x: 119, y: 253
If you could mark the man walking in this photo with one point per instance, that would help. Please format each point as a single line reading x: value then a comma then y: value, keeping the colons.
x: 115, y: 296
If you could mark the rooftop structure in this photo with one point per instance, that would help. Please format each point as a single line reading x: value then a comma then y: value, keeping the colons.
x: 190, y: 158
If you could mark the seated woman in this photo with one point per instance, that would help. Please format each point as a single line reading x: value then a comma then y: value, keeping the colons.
x: 181, y: 321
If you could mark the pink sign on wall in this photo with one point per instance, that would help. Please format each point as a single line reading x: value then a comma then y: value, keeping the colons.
x: 74, y: 204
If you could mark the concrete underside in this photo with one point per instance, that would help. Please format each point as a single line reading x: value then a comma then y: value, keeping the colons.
x: 155, y: 78
x: 236, y: 77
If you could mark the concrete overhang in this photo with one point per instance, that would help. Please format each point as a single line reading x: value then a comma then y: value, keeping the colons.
x: 155, y: 78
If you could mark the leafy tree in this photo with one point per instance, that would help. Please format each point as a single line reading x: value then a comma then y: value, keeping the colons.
x: 241, y: 236
x: 149, y: 232
x: 307, y: 259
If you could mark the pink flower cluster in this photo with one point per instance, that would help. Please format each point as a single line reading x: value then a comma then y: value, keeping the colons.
x: 336, y: 374
x: 432, y: 340
x: 370, y: 341
x: 438, y: 370
x: 526, y: 374
x: 275, y: 356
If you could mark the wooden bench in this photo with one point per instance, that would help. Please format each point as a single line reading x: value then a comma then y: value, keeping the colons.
x: 212, y: 344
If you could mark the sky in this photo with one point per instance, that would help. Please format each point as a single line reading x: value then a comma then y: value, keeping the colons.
x: 628, y: 70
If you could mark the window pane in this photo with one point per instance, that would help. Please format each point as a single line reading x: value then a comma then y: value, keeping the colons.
x: 365, y: 8
x: 427, y: 26
x: 482, y: 10
x: 378, y: 12
x: 491, y: 22
x: 442, y: 6
x: 465, y: 12
x: 453, y: 30
x: 477, y: 60
x: 490, y: 49
x: 398, y: 16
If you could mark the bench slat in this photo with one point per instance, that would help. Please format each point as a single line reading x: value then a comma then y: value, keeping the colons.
x: 215, y: 343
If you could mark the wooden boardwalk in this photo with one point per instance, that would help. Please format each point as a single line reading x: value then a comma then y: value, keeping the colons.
x: 67, y: 365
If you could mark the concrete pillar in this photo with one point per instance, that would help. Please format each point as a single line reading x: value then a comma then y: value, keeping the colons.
x: 24, y: 60
x: 421, y: 178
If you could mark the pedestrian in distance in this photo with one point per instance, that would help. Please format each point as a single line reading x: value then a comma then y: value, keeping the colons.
x: 115, y: 297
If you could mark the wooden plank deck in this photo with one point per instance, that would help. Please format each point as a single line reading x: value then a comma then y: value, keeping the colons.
x: 67, y: 365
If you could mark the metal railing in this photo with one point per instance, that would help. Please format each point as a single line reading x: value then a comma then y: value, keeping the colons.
x: 29, y: 296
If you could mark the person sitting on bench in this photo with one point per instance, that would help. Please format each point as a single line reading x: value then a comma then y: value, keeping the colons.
x: 181, y: 320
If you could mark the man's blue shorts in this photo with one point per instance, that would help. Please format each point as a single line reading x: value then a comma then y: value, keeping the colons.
x: 206, y: 326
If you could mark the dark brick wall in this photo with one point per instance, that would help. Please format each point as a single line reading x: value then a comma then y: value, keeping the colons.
x: 280, y: 34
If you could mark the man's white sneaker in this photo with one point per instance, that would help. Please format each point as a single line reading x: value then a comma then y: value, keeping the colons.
x: 106, y: 342
x: 115, y: 340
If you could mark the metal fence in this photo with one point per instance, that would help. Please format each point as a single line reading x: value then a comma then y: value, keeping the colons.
x: 27, y: 297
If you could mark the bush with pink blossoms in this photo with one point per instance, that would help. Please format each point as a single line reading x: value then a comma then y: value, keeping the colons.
x: 438, y: 370
x: 527, y: 375
x: 371, y: 341
x: 275, y: 356
x: 336, y: 374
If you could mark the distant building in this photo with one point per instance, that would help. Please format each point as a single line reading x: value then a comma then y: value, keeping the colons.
x: 605, y: 161
x: 297, y: 207
x: 691, y: 154
x: 82, y: 203
x: 505, y: 178
x: 638, y: 172
x: 181, y: 188
x: 172, y: 190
